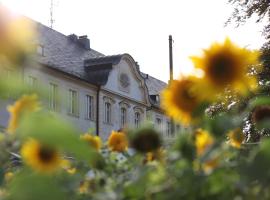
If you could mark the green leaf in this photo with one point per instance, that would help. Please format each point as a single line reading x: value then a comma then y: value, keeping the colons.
x: 32, y: 186
x: 258, y: 101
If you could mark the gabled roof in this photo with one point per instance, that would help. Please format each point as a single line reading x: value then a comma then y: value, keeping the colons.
x: 64, y: 54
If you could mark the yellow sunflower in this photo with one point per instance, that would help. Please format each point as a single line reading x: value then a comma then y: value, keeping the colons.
x: 226, y: 65
x: 179, y: 100
x: 26, y: 104
x: 93, y: 141
x: 236, y: 137
x: 158, y: 155
x: 209, y: 165
x: 203, y: 140
x: 118, y: 141
x: 40, y: 157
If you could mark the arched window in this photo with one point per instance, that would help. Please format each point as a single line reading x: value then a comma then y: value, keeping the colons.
x: 123, y: 115
x: 108, y: 109
x: 137, y: 119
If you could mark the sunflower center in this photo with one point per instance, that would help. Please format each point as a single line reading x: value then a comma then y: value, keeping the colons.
x: 46, y: 154
x: 222, y: 69
x: 261, y: 113
x: 185, y: 100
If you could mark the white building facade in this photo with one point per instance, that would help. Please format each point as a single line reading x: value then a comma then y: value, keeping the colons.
x: 91, y: 90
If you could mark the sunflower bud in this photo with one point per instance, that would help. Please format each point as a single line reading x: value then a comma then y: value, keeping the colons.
x: 145, y: 140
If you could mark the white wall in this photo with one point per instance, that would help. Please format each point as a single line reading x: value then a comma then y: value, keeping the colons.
x: 64, y: 83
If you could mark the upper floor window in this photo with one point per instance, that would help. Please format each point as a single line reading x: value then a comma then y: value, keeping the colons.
x: 107, y: 112
x: 159, y: 123
x: 53, y: 100
x: 40, y: 50
x: 73, y: 102
x: 137, y: 119
x: 168, y: 129
x: 123, y: 116
x: 89, y: 107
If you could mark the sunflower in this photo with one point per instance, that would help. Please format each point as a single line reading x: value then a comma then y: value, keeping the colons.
x: 145, y: 139
x: 26, y: 104
x: 203, y: 140
x: 179, y: 100
x: 93, y: 141
x: 118, y: 141
x: 157, y: 155
x: 236, y: 137
x: 66, y: 165
x: 209, y: 165
x: 40, y: 157
x: 226, y: 66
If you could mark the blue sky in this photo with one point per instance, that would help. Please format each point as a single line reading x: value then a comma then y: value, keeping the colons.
x: 141, y: 28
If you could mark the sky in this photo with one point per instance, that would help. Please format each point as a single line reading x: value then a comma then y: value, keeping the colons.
x: 141, y: 28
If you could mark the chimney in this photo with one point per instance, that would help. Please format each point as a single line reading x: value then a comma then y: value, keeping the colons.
x: 73, y: 37
x: 84, y: 41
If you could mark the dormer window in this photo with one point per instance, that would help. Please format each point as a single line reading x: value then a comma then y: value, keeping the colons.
x: 40, y: 50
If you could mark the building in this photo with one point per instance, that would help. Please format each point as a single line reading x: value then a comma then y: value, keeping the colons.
x: 90, y: 89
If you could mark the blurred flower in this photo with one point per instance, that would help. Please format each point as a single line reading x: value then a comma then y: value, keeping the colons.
x: 203, y: 140
x: 66, y: 165
x: 118, y: 141
x: 157, y: 155
x: 16, y: 37
x: 84, y: 186
x: 209, y: 165
x: 260, y: 113
x: 225, y: 65
x: 8, y: 176
x: 26, y: 104
x: 145, y: 139
x: 179, y: 101
x: 40, y: 157
x: 236, y: 137
x: 93, y: 141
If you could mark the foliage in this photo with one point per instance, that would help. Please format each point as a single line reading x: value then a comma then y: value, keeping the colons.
x: 209, y: 159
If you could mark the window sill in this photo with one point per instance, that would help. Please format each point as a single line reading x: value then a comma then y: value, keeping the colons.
x: 73, y: 115
x: 108, y: 123
x: 90, y: 119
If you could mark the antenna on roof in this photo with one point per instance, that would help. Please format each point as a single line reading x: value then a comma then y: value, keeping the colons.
x: 51, y: 14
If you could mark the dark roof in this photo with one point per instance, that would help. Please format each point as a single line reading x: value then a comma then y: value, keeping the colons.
x: 115, y: 59
x: 155, y: 86
x: 64, y: 54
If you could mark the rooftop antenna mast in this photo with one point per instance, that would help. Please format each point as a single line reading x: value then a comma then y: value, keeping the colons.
x: 51, y: 14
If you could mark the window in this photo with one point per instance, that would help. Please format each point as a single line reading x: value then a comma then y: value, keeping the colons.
x: 32, y: 82
x: 53, y: 99
x: 89, y: 107
x: 107, y: 112
x: 73, y: 102
x: 40, y: 50
x: 168, y: 129
x: 123, y: 116
x: 159, y: 123
x: 137, y: 119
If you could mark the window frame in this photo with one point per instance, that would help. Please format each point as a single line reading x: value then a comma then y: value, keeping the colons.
x: 73, y: 102
x: 107, y: 112
x: 53, y: 97
x: 89, y: 104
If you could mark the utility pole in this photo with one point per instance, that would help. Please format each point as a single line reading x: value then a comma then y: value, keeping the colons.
x: 171, y: 74
x: 51, y: 15
x: 171, y: 57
